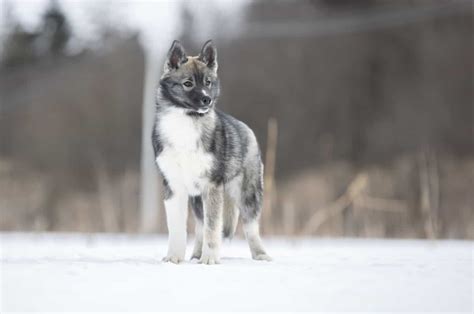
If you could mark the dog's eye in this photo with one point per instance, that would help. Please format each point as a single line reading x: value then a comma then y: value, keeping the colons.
x: 188, y: 84
x: 207, y: 82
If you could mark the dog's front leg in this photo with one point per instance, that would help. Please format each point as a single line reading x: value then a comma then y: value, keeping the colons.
x: 176, y: 216
x: 213, y: 200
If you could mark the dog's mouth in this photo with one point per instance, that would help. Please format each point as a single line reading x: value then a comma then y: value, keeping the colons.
x: 198, y: 110
x: 203, y: 110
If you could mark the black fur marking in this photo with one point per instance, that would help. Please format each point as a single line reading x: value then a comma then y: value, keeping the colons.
x: 156, y: 142
x: 196, y: 114
x: 168, y: 193
x: 196, y: 205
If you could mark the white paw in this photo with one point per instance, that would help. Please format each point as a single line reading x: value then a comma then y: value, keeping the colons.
x: 209, y: 258
x: 262, y: 257
x: 173, y: 259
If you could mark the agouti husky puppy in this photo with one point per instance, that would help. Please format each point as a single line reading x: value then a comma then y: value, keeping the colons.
x: 207, y: 158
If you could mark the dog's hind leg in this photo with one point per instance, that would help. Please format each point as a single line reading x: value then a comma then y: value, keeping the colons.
x: 251, y: 231
x: 250, y: 212
x: 196, y: 206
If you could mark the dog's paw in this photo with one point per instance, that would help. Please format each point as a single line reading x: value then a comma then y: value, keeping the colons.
x: 262, y: 257
x: 210, y: 258
x: 172, y: 259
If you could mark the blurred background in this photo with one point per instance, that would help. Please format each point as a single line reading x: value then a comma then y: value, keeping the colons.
x: 363, y: 110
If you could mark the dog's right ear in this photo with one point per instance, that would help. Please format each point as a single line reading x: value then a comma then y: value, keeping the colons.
x: 176, y: 56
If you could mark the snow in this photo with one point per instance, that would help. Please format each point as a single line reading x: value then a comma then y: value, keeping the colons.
x: 107, y: 272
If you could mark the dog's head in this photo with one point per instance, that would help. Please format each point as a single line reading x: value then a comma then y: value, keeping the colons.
x: 191, y: 82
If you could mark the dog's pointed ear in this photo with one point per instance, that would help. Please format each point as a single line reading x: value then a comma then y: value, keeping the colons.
x: 176, y: 56
x: 208, y: 55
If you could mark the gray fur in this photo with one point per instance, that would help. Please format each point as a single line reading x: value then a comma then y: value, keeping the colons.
x: 231, y: 178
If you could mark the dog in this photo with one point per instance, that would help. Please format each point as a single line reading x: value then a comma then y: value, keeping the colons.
x: 209, y: 160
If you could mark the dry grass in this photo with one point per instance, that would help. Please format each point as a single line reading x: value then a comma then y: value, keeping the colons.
x: 333, y: 200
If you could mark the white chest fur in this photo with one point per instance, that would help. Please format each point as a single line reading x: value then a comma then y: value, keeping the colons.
x: 183, y: 160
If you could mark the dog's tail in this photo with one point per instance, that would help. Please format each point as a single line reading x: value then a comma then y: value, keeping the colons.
x: 231, y: 218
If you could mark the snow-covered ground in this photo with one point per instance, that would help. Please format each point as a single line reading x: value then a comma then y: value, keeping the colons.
x: 60, y: 272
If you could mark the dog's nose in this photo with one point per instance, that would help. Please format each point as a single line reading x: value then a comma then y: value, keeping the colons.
x: 206, y: 100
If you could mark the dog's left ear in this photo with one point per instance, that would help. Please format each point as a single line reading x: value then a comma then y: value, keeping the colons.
x: 208, y: 55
